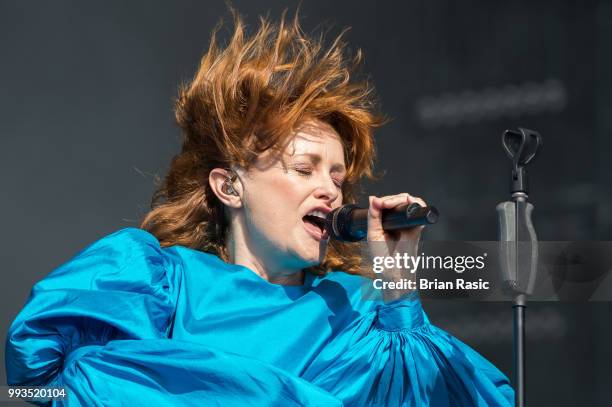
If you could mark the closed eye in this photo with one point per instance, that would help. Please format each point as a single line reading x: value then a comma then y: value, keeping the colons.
x: 303, y: 171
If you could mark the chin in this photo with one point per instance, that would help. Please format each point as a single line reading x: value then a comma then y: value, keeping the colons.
x: 308, y: 252
x: 314, y: 256
x: 307, y: 260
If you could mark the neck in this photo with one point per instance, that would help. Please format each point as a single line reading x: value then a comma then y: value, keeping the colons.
x: 240, y: 253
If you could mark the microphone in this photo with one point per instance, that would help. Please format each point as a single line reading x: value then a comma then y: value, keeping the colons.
x: 349, y: 223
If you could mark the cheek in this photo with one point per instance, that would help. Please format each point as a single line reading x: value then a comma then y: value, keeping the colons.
x: 276, y: 200
x: 287, y: 187
x: 281, y: 191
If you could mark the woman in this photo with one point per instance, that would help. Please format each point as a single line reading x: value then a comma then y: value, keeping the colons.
x: 231, y: 293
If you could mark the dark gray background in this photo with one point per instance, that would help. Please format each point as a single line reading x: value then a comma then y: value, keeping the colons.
x: 86, y: 124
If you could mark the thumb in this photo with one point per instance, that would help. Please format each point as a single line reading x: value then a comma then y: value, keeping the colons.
x: 375, y: 229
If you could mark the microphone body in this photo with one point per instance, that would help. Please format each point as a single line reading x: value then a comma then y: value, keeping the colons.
x: 349, y: 223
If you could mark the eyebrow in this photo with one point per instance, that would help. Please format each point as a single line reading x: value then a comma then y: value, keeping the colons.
x: 316, y: 158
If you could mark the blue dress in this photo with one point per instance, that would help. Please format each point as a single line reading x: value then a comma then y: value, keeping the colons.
x: 127, y: 322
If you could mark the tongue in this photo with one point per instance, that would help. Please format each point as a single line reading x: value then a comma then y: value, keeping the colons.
x: 315, y: 220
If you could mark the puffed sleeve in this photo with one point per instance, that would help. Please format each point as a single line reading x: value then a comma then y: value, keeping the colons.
x: 121, y: 287
x: 99, y: 327
x: 393, y: 356
x: 165, y: 372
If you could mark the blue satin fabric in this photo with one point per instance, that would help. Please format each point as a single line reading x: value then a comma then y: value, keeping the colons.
x: 129, y: 323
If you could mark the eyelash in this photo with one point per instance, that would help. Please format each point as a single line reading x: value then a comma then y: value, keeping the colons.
x: 305, y: 172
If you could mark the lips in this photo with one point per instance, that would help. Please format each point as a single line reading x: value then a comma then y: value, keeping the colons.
x: 315, y: 225
x: 315, y: 231
x: 314, y: 221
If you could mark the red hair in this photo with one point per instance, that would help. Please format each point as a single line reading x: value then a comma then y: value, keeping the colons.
x: 246, y: 98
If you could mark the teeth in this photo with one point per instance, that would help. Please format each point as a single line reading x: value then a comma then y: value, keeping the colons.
x: 317, y: 214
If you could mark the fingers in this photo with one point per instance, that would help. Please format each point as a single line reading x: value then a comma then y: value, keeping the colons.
x: 391, y: 201
x: 378, y: 204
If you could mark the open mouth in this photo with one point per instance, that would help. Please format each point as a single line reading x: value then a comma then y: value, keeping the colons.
x: 316, y: 224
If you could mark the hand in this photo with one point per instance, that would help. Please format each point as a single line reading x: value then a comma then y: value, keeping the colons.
x: 383, y: 243
x: 375, y: 229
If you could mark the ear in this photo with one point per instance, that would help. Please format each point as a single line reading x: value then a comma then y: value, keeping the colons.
x: 217, y: 179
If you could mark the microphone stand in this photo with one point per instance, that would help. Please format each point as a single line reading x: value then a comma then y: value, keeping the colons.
x: 518, y: 244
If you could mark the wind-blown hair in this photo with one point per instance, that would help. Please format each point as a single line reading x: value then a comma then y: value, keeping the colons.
x: 247, y: 98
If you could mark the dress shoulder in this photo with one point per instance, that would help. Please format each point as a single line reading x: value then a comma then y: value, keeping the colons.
x: 123, y: 286
x: 391, y: 354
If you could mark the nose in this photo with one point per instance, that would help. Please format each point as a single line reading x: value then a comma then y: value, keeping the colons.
x: 327, y: 190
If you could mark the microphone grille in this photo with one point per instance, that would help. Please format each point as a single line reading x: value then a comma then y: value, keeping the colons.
x: 338, y: 222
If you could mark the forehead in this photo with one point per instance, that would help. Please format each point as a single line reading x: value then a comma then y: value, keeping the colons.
x: 316, y: 137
